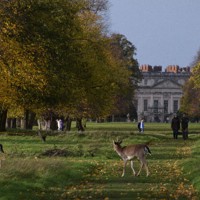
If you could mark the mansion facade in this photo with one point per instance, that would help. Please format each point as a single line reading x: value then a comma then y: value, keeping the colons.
x: 158, y: 96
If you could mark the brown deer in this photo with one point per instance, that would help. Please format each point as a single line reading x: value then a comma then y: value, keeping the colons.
x: 127, y: 153
x: 1, y: 150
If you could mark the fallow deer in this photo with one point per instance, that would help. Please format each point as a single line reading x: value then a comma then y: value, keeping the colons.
x: 1, y: 150
x: 127, y: 153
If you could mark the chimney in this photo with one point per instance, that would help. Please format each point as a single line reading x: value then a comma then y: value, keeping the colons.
x: 146, y: 68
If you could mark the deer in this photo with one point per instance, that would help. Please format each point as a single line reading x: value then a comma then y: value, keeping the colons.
x: 1, y: 150
x: 128, y: 153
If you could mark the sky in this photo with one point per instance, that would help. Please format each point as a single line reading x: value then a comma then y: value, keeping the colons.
x: 164, y: 32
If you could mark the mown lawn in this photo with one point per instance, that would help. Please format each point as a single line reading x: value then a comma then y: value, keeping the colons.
x: 84, y: 166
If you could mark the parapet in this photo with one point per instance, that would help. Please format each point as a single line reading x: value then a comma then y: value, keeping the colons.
x: 172, y: 68
x: 149, y: 68
x: 169, y: 68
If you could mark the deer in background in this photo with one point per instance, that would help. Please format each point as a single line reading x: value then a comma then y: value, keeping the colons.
x: 1, y: 151
x: 127, y: 153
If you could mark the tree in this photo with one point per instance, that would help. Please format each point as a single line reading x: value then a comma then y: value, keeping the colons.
x: 196, y: 60
x: 189, y: 104
x: 35, y: 46
x: 100, y: 76
x: 196, y: 75
x: 98, y: 79
x: 125, y: 51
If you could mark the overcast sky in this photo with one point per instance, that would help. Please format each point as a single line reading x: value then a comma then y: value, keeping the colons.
x: 165, y: 32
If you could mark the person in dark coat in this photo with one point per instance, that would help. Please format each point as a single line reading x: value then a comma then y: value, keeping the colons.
x: 139, y: 129
x: 184, y: 126
x: 175, y: 125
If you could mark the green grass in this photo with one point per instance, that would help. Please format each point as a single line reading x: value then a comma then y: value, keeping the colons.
x: 86, y: 167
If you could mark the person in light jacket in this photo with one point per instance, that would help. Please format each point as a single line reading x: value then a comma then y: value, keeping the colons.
x: 142, y: 125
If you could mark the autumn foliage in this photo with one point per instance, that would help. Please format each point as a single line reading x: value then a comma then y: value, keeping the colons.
x: 57, y: 55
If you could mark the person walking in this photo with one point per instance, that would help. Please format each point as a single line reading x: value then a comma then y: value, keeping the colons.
x: 138, y: 125
x: 184, y: 126
x: 142, y: 125
x: 175, y: 125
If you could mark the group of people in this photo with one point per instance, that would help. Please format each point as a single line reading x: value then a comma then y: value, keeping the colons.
x: 176, y: 124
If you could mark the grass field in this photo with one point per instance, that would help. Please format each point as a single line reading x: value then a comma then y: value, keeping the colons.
x: 84, y: 166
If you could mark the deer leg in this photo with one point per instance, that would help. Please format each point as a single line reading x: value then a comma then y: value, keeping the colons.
x: 146, y: 166
x: 147, y: 169
x: 141, y: 166
x: 132, y: 168
x: 124, y: 169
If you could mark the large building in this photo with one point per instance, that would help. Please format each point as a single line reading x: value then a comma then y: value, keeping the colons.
x: 159, y: 93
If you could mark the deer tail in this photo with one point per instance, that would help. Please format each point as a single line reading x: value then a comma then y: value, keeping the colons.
x: 147, y: 150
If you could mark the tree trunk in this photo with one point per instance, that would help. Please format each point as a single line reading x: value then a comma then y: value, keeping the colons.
x: 3, y: 116
x: 68, y: 124
x: 22, y: 123
x: 26, y: 116
x: 28, y: 121
x: 14, y: 123
x: 113, y: 118
x: 8, y: 122
x: 79, y: 124
x: 11, y: 123
x: 18, y: 122
x: 54, y: 125
x: 31, y: 120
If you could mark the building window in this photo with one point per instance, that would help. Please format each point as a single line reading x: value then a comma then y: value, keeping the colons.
x: 165, y: 106
x: 155, y: 106
x: 175, y: 106
x: 145, y: 104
